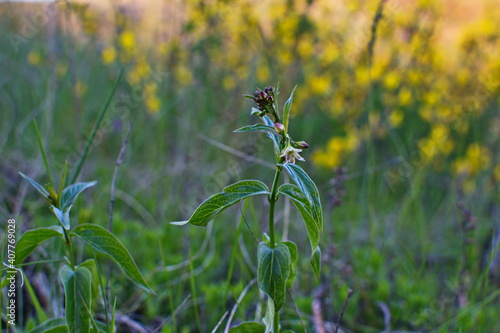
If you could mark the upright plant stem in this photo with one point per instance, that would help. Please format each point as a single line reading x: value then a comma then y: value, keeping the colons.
x: 272, y: 201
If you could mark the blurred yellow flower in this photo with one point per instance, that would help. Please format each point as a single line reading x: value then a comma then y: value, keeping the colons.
x: 285, y: 57
x: 262, y: 73
x: 396, y: 118
x: 404, y: 96
x: 439, y: 133
x: 127, y: 39
x: 153, y: 104
x: 34, y: 58
x: 469, y: 186
x: 108, y: 55
x: 305, y: 48
x: 319, y: 84
x: 478, y: 157
x: 431, y: 98
x: 496, y: 173
x: 184, y: 76
x: 392, y: 80
x: 229, y: 82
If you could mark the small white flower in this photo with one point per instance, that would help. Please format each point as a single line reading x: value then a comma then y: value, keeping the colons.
x: 290, y: 154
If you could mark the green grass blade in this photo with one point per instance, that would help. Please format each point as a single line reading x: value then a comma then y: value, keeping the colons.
x: 42, y: 150
x: 94, y: 130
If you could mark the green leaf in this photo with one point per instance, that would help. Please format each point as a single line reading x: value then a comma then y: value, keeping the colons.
x: 77, y: 289
x: 309, y: 189
x: 104, y: 241
x: 91, y: 265
x: 273, y: 271
x: 257, y: 128
x: 56, y: 325
x: 32, y: 238
x: 248, y: 327
x: 255, y: 111
x: 269, y: 317
x: 42, y: 150
x: 231, y: 195
x: 292, y: 247
x: 71, y: 192
x: 62, y: 216
x: 62, y: 182
x: 286, y: 110
x: 37, y: 186
x: 313, y: 226
x: 315, y: 261
x: 276, y: 138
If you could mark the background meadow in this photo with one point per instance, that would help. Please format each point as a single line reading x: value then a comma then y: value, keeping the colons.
x: 398, y: 100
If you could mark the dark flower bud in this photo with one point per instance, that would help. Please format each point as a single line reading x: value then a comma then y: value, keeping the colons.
x: 262, y: 95
x: 300, y: 144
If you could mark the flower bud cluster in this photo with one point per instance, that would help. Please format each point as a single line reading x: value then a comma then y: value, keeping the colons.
x: 265, y: 100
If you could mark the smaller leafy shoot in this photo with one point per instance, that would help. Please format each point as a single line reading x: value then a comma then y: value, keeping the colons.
x: 60, y: 204
x: 229, y: 196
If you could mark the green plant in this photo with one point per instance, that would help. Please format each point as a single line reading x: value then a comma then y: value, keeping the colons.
x: 277, y: 261
x: 81, y: 281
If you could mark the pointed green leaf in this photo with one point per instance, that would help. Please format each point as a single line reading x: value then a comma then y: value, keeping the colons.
x: 255, y: 111
x: 315, y: 261
x: 248, y: 327
x: 257, y: 128
x: 273, y: 271
x: 104, y: 241
x: 91, y: 265
x: 37, y: 186
x: 286, y: 109
x: 32, y: 238
x: 313, y: 226
x: 62, y: 182
x: 292, y: 247
x: 71, y: 192
x: 56, y: 325
x: 77, y: 289
x: 309, y: 189
x: 268, y: 319
x: 62, y: 216
x: 276, y: 138
x: 231, y: 195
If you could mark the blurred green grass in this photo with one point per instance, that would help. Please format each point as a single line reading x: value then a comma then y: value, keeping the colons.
x: 393, y: 240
